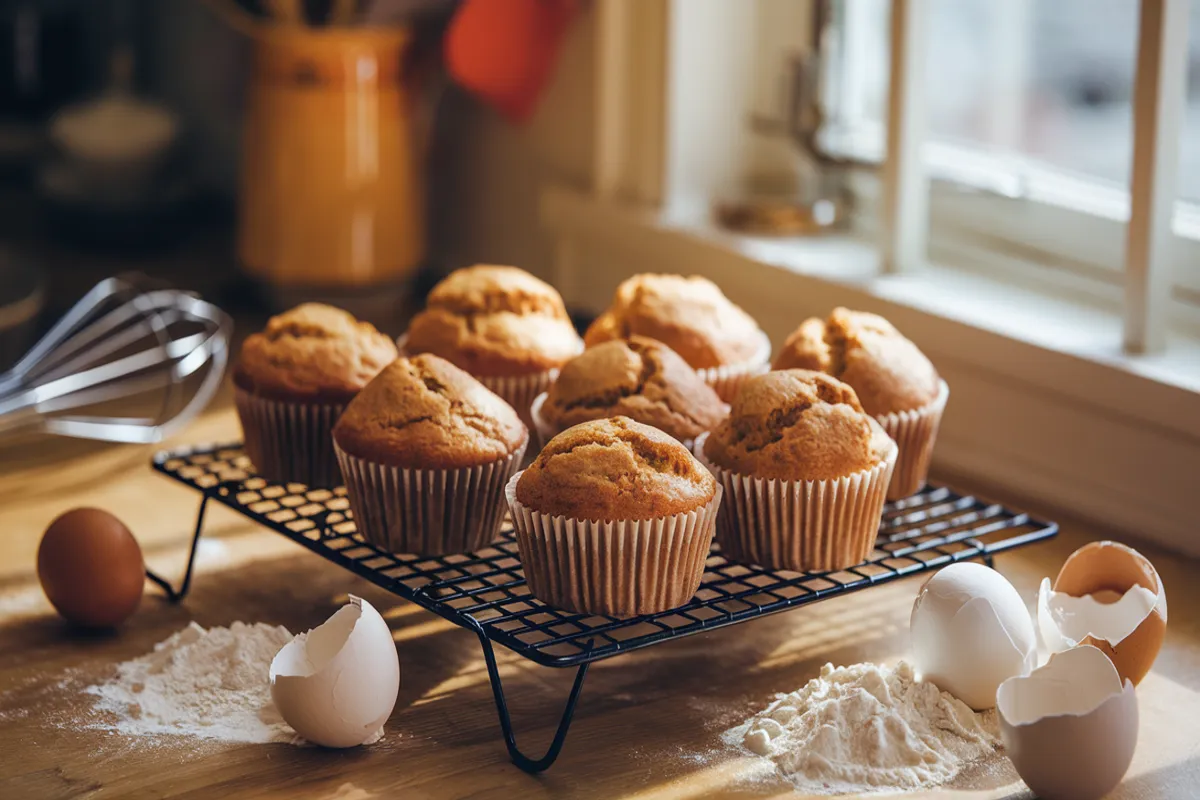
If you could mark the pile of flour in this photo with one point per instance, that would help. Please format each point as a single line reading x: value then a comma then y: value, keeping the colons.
x: 866, y: 728
x: 211, y: 684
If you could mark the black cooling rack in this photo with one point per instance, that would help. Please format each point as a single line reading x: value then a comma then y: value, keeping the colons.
x: 486, y: 591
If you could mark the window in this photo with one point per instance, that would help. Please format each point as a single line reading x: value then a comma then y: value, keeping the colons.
x: 1029, y: 130
x: 1043, y: 85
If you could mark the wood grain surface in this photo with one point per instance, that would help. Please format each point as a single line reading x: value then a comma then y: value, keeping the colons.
x: 648, y: 725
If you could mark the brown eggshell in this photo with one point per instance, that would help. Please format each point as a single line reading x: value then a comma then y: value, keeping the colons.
x: 91, y: 568
x: 1106, y: 570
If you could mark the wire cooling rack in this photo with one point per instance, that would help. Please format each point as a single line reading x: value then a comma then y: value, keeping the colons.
x: 486, y: 591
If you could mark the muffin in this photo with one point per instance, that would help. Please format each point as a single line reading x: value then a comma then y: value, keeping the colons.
x: 426, y: 450
x: 614, y: 517
x: 894, y: 381
x: 639, y: 378
x: 806, y: 471
x: 692, y: 317
x: 292, y: 381
x: 502, y: 325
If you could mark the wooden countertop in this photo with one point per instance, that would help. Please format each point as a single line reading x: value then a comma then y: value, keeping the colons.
x: 648, y: 724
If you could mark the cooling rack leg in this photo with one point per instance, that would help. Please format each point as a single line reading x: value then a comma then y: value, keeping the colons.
x: 985, y: 555
x: 518, y: 758
x: 173, y: 595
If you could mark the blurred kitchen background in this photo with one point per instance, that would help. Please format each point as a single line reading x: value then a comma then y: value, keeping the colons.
x: 265, y: 151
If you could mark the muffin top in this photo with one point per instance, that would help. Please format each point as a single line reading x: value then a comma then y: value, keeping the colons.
x: 797, y: 425
x: 425, y: 413
x: 615, y: 469
x: 314, y: 353
x: 887, y: 371
x: 639, y: 378
x: 494, y: 321
x: 690, y: 315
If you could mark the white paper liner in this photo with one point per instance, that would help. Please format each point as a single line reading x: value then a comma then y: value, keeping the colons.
x: 803, y: 526
x: 914, y: 432
x: 289, y: 442
x: 429, y: 512
x: 619, y: 569
x: 518, y: 391
x: 542, y: 429
x: 546, y: 431
x: 728, y: 378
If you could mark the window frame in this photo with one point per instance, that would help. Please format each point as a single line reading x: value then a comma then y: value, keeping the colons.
x: 1044, y: 240
x: 1160, y: 81
x: 1007, y: 210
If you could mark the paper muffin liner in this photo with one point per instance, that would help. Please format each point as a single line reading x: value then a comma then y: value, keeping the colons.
x: 803, y: 526
x: 427, y: 512
x: 914, y: 432
x: 542, y: 429
x: 620, y: 569
x: 728, y: 378
x: 290, y: 442
x: 546, y: 431
x: 519, y: 391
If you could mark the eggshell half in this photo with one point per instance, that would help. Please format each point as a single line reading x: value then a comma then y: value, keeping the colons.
x: 337, y: 684
x: 1071, y: 726
x: 1108, y: 571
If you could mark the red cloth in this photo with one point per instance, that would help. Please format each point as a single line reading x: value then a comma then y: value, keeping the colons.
x: 504, y: 51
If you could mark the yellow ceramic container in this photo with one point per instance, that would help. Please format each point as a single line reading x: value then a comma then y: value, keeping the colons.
x: 331, y: 193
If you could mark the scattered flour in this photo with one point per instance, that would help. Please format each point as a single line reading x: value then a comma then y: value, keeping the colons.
x: 866, y: 728
x: 211, y: 684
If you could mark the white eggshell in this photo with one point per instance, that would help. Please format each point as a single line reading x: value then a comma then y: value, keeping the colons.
x: 971, y: 632
x: 1070, y: 727
x: 1064, y: 620
x: 337, y: 684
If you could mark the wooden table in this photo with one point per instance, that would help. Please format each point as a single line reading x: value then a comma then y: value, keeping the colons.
x: 647, y: 727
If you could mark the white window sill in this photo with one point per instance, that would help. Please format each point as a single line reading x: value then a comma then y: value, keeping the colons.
x: 1044, y: 402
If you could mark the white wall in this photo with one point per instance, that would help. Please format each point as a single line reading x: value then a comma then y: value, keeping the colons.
x: 492, y: 171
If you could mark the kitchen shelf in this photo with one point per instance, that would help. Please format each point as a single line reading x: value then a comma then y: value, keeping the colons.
x: 485, y: 592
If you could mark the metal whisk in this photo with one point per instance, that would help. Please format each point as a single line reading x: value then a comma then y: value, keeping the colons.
x: 120, y: 346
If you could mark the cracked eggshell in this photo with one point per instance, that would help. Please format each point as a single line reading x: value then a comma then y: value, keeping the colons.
x: 970, y: 632
x: 1071, y: 726
x: 1111, y: 597
x: 337, y: 684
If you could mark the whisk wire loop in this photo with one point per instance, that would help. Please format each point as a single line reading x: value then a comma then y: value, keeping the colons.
x: 120, y: 342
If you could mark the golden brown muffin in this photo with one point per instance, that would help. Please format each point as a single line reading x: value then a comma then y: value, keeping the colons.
x: 797, y: 425
x: 887, y: 371
x: 690, y: 315
x: 495, y: 321
x: 426, y: 413
x: 314, y: 353
x: 486, y: 288
x: 639, y: 378
x: 614, y: 469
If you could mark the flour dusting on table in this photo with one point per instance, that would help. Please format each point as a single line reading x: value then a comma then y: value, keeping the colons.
x: 210, y: 684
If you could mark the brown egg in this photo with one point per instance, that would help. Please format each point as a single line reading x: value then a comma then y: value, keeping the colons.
x: 1106, y: 570
x: 91, y: 568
